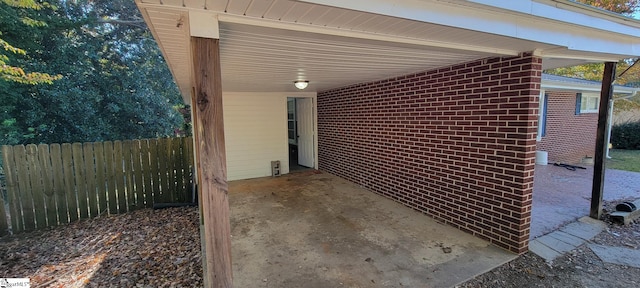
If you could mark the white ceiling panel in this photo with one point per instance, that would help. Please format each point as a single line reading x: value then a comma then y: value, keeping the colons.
x: 278, y: 9
x: 297, y: 11
x: 238, y: 7
x: 268, y: 44
x: 314, y: 14
x: 266, y: 59
x: 258, y: 7
x: 215, y: 5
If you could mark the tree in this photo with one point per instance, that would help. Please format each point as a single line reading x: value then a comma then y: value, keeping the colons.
x: 114, y: 82
x: 14, y: 73
x: 626, y: 7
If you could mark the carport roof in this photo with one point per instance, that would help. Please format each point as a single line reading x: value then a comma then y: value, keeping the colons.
x: 267, y: 44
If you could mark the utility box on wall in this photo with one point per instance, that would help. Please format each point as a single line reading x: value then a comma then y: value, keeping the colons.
x: 275, y: 168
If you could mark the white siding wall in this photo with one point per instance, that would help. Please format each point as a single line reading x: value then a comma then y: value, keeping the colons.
x: 255, y: 127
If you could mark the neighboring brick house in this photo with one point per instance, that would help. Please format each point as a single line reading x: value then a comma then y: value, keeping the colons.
x: 569, y: 117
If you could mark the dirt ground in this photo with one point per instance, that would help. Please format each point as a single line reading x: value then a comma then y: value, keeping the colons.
x: 579, y: 268
x: 161, y: 248
x: 145, y: 248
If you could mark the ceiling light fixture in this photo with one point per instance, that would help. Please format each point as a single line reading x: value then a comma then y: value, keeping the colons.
x: 301, y: 84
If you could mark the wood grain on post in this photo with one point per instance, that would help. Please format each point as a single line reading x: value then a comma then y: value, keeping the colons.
x: 212, y: 159
x: 601, y: 147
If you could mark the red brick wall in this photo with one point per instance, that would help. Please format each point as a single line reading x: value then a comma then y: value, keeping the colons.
x: 457, y: 143
x: 569, y: 137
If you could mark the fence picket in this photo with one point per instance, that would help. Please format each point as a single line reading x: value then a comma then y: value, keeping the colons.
x: 146, y: 171
x: 26, y: 193
x: 69, y: 181
x: 81, y: 184
x: 101, y: 189
x: 119, y: 175
x: 171, y: 154
x: 189, y: 170
x: 179, y: 178
x: 164, y: 174
x: 128, y: 161
x: 48, y: 195
x: 138, y: 186
x: 171, y: 175
x: 153, y: 168
x: 90, y: 178
x: 58, y: 183
x: 13, y: 190
x: 110, y: 172
x: 126, y: 153
x: 37, y: 189
x: 4, y: 226
x: 4, y: 221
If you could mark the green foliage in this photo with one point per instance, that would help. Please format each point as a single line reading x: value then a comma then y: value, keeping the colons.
x: 15, y: 73
x: 626, y: 136
x: 114, y: 83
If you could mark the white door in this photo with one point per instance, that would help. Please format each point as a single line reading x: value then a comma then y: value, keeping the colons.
x: 304, y: 115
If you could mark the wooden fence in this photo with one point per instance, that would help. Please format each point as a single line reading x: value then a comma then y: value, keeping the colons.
x: 48, y: 185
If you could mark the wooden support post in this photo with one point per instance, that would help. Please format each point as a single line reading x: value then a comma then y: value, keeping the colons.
x: 211, y: 162
x: 606, y: 94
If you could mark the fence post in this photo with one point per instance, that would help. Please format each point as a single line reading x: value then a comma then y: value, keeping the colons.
x: 4, y: 226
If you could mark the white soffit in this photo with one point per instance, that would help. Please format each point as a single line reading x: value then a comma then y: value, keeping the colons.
x: 267, y: 44
x: 266, y: 59
x: 170, y: 28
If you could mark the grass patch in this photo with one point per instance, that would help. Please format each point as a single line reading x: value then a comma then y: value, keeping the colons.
x: 628, y: 160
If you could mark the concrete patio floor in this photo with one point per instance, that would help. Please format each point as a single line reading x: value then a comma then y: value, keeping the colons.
x: 561, y: 196
x: 312, y: 229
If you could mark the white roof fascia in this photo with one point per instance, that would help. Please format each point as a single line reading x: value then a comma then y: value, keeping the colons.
x: 558, y: 85
x: 569, y: 12
x: 524, y: 19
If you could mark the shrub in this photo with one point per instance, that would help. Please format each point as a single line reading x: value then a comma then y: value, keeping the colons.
x: 626, y: 135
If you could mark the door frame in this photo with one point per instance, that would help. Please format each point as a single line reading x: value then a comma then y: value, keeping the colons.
x: 313, y: 97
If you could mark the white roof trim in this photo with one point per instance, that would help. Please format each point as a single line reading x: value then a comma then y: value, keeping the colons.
x: 550, y: 85
x: 524, y: 19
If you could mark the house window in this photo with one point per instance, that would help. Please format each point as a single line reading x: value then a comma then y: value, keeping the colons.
x: 542, y: 115
x: 587, y: 103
